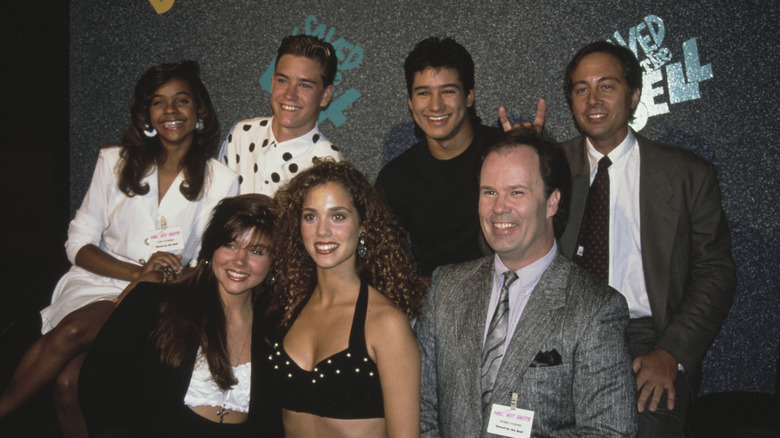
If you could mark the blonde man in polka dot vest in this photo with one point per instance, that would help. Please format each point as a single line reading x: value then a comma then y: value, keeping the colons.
x: 267, y: 151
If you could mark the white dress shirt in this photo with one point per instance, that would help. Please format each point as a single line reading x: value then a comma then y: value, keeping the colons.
x: 625, y: 246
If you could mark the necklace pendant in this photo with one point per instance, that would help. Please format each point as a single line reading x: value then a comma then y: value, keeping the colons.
x: 222, y: 412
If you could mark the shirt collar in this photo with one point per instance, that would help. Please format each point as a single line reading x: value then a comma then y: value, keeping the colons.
x: 528, y: 276
x: 307, y: 138
x: 618, y: 155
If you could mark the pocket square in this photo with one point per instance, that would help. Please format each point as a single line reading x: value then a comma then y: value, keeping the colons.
x: 546, y: 359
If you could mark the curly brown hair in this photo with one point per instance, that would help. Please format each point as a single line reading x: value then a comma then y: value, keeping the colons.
x: 386, y: 266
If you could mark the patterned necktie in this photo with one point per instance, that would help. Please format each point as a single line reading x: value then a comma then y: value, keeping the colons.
x: 592, y: 251
x: 493, y: 351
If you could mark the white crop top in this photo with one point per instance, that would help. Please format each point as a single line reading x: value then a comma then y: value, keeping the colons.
x: 203, y: 391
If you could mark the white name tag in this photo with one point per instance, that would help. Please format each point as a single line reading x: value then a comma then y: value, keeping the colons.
x: 168, y: 239
x: 505, y: 421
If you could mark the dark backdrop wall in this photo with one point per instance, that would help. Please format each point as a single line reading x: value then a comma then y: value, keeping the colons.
x: 710, y: 86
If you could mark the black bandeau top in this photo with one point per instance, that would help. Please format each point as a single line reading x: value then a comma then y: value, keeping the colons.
x: 344, y: 385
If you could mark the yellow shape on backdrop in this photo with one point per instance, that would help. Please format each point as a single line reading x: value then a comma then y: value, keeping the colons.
x: 161, y: 6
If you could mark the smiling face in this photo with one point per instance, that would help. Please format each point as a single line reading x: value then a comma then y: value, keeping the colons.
x: 173, y: 113
x: 439, y: 106
x: 330, y: 226
x: 297, y: 94
x: 242, y: 264
x: 601, y: 101
x: 515, y: 216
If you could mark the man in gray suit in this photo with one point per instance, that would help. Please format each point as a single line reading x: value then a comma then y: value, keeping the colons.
x: 524, y: 328
x: 667, y: 240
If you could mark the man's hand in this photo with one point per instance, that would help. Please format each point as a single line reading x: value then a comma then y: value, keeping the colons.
x: 655, y: 373
x: 538, y: 123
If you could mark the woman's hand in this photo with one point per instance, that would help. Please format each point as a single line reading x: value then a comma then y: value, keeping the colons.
x: 166, y: 265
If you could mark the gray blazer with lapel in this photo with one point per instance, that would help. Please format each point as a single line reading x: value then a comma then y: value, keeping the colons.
x: 591, y: 393
x: 686, y: 248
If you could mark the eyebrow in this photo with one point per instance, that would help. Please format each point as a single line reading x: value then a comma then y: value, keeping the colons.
x: 307, y: 80
x: 423, y: 87
x: 175, y: 95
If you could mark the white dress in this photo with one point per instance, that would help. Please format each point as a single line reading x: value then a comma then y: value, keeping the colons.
x: 262, y: 163
x: 120, y: 225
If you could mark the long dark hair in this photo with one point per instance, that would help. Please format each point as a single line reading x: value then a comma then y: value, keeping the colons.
x: 385, y: 266
x: 139, y: 152
x: 193, y: 315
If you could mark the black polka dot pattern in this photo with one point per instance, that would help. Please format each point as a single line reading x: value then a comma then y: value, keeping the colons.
x: 238, y: 158
x: 275, y: 177
x: 251, y: 147
x: 255, y: 167
x: 240, y: 179
x: 224, y: 157
x: 333, y: 146
x: 230, y: 138
x: 247, y: 127
x: 316, y: 138
x: 264, y: 123
x: 265, y: 142
x: 286, y: 156
x: 293, y: 168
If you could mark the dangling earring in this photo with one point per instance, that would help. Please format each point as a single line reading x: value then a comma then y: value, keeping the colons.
x: 199, y: 125
x: 149, y: 131
x: 361, y: 247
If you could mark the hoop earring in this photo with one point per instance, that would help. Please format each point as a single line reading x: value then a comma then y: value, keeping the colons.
x: 361, y: 247
x: 199, y: 125
x: 149, y: 131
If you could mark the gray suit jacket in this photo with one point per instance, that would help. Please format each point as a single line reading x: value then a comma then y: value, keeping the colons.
x: 592, y: 391
x: 686, y: 248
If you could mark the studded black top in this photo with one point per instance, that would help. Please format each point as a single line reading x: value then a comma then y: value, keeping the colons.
x: 344, y: 385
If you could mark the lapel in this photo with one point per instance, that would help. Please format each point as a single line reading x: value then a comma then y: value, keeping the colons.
x: 173, y: 201
x: 580, y: 184
x: 534, y: 326
x: 149, y: 200
x: 475, y: 309
x: 658, y: 223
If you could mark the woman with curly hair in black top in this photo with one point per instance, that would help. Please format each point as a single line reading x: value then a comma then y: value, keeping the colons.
x: 345, y: 361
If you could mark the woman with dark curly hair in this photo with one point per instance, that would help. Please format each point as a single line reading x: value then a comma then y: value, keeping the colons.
x: 141, y: 220
x: 345, y: 361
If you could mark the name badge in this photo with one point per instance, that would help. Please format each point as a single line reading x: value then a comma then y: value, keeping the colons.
x: 167, y: 239
x: 510, y: 422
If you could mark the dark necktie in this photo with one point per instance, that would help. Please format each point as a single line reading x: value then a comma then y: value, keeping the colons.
x: 493, y: 351
x: 592, y: 250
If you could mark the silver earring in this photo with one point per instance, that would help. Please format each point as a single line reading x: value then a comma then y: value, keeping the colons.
x: 361, y: 247
x: 149, y: 131
x: 199, y: 125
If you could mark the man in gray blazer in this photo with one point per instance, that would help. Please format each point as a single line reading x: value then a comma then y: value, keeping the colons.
x: 561, y: 351
x: 669, y: 251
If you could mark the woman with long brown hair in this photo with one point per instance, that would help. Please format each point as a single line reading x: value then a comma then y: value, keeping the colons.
x: 176, y: 359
